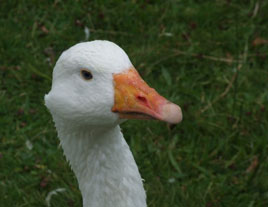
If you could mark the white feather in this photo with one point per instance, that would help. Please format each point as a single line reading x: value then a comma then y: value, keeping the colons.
x: 88, y: 130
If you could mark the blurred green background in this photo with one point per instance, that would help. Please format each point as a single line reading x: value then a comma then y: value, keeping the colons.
x: 210, y: 57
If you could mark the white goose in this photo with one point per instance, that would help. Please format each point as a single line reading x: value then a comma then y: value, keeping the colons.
x: 94, y: 88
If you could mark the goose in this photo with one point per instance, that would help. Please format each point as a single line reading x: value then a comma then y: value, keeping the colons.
x: 94, y: 88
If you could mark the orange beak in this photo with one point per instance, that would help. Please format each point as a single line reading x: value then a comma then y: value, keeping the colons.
x: 134, y: 99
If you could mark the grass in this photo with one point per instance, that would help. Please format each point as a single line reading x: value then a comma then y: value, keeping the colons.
x: 210, y: 57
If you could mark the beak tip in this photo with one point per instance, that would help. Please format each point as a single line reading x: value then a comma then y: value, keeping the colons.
x: 172, y: 113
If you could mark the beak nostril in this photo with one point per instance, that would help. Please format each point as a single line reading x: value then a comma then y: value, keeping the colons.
x: 142, y: 99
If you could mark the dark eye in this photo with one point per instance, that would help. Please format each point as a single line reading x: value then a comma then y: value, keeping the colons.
x: 86, y: 74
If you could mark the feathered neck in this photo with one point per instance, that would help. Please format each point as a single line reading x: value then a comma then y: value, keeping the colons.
x: 104, y: 166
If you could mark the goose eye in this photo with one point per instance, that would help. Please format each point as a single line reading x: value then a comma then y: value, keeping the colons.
x: 86, y: 74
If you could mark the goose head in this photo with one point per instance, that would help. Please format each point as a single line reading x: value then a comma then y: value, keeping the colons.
x: 95, y: 84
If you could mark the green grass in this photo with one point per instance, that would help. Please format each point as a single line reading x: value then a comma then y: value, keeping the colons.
x: 214, y: 65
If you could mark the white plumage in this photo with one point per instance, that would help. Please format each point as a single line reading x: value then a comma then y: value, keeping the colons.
x: 87, y: 122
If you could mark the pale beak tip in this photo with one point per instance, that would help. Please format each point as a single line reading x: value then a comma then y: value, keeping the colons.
x: 172, y: 113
